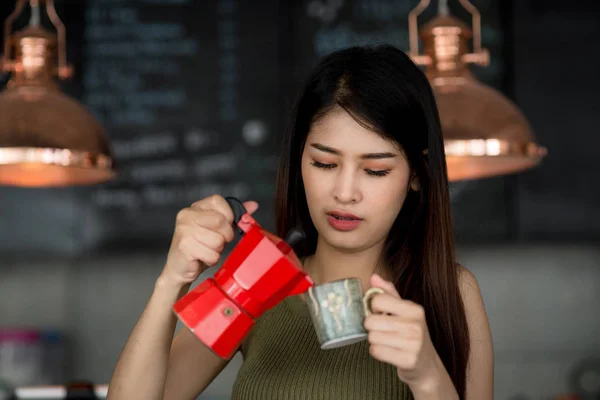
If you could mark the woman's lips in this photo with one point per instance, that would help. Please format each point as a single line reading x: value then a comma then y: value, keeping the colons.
x: 343, y: 221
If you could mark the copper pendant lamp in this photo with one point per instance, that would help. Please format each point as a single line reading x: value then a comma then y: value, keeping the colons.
x: 485, y: 134
x: 47, y: 139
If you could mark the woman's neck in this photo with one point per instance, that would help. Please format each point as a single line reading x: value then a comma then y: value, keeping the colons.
x: 330, y: 264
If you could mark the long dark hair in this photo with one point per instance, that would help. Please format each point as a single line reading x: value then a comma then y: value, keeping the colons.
x: 383, y: 88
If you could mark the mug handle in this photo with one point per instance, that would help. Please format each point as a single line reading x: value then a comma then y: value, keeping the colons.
x: 368, y: 297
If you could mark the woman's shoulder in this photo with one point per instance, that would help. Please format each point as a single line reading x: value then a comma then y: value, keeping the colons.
x: 472, y: 298
x: 466, y: 279
x: 469, y: 288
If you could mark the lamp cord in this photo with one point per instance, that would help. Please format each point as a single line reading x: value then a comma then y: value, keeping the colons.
x: 443, y: 7
x: 35, y: 13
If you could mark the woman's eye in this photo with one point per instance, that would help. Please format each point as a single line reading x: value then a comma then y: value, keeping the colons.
x: 369, y: 171
x: 378, y: 173
x: 323, y: 165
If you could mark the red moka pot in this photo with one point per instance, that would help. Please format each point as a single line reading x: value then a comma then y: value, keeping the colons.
x: 261, y: 271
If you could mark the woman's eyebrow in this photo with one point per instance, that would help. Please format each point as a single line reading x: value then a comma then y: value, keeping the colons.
x: 366, y: 156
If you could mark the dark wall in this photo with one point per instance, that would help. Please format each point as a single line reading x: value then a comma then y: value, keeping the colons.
x: 194, y: 96
x: 557, y: 85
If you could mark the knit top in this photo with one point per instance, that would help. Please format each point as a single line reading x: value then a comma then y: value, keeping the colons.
x: 283, y: 361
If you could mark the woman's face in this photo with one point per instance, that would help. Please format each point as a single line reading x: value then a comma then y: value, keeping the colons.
x: 355, y: 182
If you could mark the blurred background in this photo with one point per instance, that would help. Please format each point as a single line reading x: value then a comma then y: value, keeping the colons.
x: 194, y: 96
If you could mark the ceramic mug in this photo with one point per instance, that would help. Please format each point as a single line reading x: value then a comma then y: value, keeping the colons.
x: 338, y: 310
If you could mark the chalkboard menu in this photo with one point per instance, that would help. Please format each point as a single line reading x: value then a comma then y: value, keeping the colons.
x: 190, y: 93
x: 194, y: 96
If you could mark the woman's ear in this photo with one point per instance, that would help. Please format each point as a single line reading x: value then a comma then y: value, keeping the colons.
x: 414, y: 183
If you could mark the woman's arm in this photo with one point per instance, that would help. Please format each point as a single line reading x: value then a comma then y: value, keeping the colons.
x: 480, y: 368
x: 142, y: 366
x: 192, y: 367
x: 150, y: 367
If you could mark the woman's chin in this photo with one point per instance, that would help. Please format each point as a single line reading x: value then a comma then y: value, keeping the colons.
x: 352, y: 241
x: 346, y: 243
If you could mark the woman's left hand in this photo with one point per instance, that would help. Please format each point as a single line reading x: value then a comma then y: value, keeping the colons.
x: 398, y: 335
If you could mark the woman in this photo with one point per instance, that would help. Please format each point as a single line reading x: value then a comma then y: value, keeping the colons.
x: 363, y: 172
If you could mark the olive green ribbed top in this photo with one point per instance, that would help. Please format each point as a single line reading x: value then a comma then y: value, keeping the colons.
x: 283, y: 361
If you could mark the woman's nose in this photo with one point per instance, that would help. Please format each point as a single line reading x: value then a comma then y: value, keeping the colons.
x: 347, y: 189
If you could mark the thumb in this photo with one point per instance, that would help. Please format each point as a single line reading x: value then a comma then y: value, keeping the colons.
x: 251, y: 206
x: 387, y: 286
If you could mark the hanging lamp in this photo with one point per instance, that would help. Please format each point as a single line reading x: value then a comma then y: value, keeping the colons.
x: 485, y: 134
x: 47, y: 139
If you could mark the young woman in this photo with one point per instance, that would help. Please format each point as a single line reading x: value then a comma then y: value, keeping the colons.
x: 363, y: 173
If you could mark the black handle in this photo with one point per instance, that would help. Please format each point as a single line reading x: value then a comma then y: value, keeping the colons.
x: 294, y: 237
x: 238, y: 211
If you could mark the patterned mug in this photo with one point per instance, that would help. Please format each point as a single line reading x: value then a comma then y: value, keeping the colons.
x: 338, y: 310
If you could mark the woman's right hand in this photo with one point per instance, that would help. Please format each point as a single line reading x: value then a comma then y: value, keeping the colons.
x: 201, y: 232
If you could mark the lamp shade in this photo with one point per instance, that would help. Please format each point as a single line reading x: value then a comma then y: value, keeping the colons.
x: 485, y: 133
x: 47, y: 138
